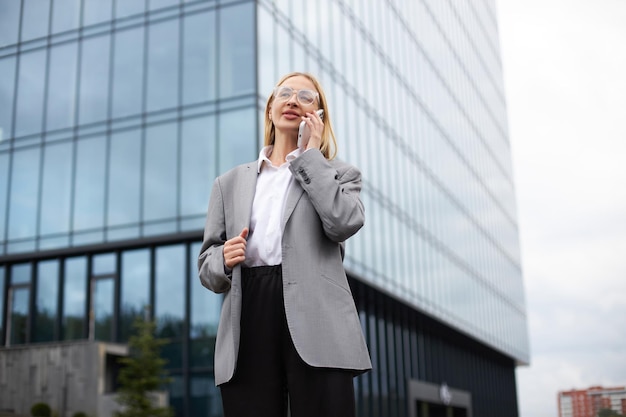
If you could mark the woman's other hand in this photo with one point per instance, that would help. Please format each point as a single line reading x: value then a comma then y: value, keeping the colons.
x: 235, y: 249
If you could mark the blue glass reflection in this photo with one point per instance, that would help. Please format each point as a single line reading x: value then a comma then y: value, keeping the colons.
x: 46, y: 308
x: 170, y: 291
x: 237, y: 138
x: 103, y: 309
x: 199, y: 58
x: 104, y: 264
x: 35, y: 18
x: 7, y: 90
x: 160, y: 175
x: 128, y: 71
x: 96, y: 11
x: 61, y: 93
x: 74, y: 298
x: 30, y: 92
x: 124, y: 178
x: 20, y: 274
x: 163, y: 61
x: 199, y: 164
x: 2, y: 282
x: 4, y: 185
x: 89, y: 183
x: 19, y: 316
x: 56, y: 189
x: 9, y: 22
x: 94, y: 79
x: 135, y: 291
x: 236, y: 46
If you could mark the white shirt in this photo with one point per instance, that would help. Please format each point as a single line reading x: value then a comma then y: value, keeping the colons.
x: 264, y: 245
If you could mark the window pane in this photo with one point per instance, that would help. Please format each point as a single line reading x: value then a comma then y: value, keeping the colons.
x: 104, y: 264
x: 204, y: 396
x: 56, y: 190
x: 163, y: 65
x: 96, y: 11
x: 236, y: 61
x: 20, y: 274
x: 128, y: 8
x: 135, y: 281
x: 74, y: 298
x: 30, y: 92
x: 2, y: 282
x: 7, y: 90
x: 89, y: 182
x: 124, y: 179
x: 199, y: 58
x: 47, y: 297
x: 158, y: 4
x: 237, y: 138
x: 24, y: 189
x: 161, y: 172
x: 35, y: 19
x: 128, y: 71
x: 65, y: 15
x: 94, y: 80
x: 4, y: 185
x: 170, y: 291
x: 19, y: 316
x: 103, y: 309
x: 9, y: 22
x: 199, y: 164
x: 62, y: 86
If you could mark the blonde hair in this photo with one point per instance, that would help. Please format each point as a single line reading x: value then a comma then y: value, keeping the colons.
x: 328, y: 146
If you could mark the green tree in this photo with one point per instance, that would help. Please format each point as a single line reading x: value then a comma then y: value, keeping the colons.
x: 607, y: 412
x: 142, y: 373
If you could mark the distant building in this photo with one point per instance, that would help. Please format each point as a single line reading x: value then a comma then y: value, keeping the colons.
x: 588, y: 402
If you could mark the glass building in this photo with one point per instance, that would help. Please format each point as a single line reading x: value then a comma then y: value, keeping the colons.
x: 116, y: 115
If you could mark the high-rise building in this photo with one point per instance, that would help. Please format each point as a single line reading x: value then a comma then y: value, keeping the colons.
x: 115, y: 117
x: 588, y: 402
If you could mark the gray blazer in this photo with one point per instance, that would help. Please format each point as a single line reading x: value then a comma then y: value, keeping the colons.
x: 322, y: 210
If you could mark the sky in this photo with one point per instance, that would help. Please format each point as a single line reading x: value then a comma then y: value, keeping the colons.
x: 564, y: 67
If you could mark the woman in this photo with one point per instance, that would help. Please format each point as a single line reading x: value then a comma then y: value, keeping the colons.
x: 273, y: 243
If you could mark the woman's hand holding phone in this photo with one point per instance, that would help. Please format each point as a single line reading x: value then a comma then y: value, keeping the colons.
x: 310, y: 131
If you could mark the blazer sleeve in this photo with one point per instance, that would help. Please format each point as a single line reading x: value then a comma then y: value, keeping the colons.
x: 334, y: 190
x: 211, y: 268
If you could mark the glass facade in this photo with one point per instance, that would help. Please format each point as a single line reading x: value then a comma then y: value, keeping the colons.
x: 115, y: 116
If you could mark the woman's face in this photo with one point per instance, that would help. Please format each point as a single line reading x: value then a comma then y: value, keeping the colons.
x: 288, y: 107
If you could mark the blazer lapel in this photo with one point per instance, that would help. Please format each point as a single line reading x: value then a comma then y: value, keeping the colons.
x: 293, y: 196
x: 244, y: 192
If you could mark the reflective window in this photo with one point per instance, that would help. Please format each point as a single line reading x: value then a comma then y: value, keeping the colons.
x: 236, y: 46
x: 204, y: 396
x: 2, y: 282
x: 94, y: 79
x: 161, y: 172
x: 23, y: 197
x: 19, y: 315
x: 74, y: 298
x: 238, y: 140
x: 102, y: 296
x: 96, y: 11
x: 199, y: 164
x: 35, y: 18
x: 128, y: 71
x: 30, y: 92
x: 46, y: 307
x: 199, y: 58
x: 162, y: 76
x: 128, y: 8
x: 158, y: 4
x: 62, y: 86
x: 135, y: 291
x: 7, y: 90
x: 56, y: 189
x: 89, y: 182
x: 65, y: 15
x: 170, y: 291
x: 9, y: 22
x: 205, y: 314
x: 104, y: 264
x: 124, y: 178
x: 21, y: 274
x: 4, y: 185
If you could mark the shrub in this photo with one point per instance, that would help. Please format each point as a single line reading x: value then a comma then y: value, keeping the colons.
x: 79, y: 414
x: 40, y: 410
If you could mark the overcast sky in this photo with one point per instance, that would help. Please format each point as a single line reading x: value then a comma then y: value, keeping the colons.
x: 565, y: 75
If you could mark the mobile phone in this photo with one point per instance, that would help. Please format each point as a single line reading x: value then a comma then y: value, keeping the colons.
x: 303, y: 132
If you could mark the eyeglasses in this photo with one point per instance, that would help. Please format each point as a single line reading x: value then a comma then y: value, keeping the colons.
x: 304, y: 97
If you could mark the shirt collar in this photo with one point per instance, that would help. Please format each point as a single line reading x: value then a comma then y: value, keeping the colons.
x: 266, y: 152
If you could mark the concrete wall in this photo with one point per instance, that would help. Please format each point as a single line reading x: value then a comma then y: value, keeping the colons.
x: 69, y: 376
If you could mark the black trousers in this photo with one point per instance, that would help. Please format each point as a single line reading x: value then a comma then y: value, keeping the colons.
x: 270, y: 375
